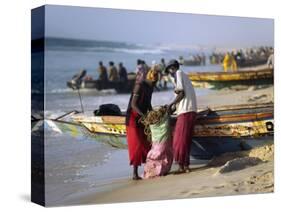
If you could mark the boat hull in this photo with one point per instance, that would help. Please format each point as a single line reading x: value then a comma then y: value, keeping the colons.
x: 236, y: 121
x: 219, y: 80
x: 225, y: 129
x: 202, y: 148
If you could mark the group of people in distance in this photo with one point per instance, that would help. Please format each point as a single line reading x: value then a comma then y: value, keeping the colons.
x: 185, y: 106
x: 120, y: 74
x: 232, y: 59
x: 142, y: 69
x: 113, y: 74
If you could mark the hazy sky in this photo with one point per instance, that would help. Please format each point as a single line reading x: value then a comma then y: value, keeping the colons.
x: 157, y: 27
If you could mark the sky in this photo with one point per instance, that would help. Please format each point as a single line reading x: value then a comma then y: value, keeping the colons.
x: 157, y: 27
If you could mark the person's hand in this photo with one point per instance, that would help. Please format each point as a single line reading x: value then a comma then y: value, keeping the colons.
x: 170, y: 110
x: 141, y: 114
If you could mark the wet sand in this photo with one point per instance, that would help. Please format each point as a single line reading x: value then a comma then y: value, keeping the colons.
x: 200, y: 182
x: 255, y: 173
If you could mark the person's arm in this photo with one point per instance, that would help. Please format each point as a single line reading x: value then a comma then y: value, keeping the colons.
x: 134, y: 105
x: 179, y: 97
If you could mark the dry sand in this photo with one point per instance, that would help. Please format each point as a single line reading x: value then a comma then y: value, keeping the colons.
x: 230, y: 174
x: 232, y: 97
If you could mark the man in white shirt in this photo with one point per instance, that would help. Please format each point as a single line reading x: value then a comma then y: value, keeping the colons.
x: 185, y: 106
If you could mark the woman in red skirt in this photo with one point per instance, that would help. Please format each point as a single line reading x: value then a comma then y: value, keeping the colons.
x: 139, y: 104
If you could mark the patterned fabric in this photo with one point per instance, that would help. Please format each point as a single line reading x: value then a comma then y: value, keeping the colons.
x: 160, y: 157
x: 160, y: 132
x: 159, y: 160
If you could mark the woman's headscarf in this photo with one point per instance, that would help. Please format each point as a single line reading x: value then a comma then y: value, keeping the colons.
x: 152, y: 75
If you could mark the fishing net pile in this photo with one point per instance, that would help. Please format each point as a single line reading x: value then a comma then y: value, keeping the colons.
x: 156, y: 125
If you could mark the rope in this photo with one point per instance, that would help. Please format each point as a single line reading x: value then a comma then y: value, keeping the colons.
x: 152, y: 117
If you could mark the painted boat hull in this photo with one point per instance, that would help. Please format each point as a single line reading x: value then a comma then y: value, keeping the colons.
x: 252, y: 120
x: 201, y: 148
x: 219, y: 80
x: 219, y: 131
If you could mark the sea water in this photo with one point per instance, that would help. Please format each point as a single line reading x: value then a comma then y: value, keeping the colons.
x: 79, y: 164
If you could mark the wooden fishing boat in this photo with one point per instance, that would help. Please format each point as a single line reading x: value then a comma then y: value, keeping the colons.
x: 235, y: 121
x: 120, y: 87
x: 218, y: 80
x: 217, y: 130
x: 252, y: 62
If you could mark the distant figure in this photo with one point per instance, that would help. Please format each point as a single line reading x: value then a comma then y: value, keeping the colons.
x: 229, y: 62
x: 113, y: 74
x: 203, y: 59
x: 162, y: 67
x: 233, y: 62
x: 141, y: 71
x: 122, y: 72
x: 146, y: 67
x: 102, y: 72
x: 270, y: 60
x: 154, y: 68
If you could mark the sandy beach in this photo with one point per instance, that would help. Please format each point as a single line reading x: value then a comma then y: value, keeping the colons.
x: 245, y: 172
x: 251, y: 95
x: 207, y: 181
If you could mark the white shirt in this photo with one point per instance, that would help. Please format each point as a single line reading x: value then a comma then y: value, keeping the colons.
x: 188, y: 103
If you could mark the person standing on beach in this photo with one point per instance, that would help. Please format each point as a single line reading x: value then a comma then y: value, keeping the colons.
x: 122, y: 72
x: 113, y: 73
x: 139, y: 105
x: 141, y: 71
x: 185, y: 106
x: 102, y: 72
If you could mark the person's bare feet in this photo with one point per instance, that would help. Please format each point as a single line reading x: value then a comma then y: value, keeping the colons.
x: 136, y: 177
x: 180, y: 170
x: 187, y: 169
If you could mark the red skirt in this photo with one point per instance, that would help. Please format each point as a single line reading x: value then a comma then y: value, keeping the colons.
x: 138, y: 145
x: 182, y: 137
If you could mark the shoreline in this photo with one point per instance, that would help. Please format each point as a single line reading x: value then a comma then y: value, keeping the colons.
x: 200, y: 182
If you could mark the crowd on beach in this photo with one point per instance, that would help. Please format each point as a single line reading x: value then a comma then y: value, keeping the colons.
x: 232, y: 59
x: 159, y: 153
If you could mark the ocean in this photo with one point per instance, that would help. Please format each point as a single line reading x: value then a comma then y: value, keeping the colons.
x: 79, y: 165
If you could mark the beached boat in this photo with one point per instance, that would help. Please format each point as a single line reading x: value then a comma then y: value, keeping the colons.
x: 192, y: 62
x: 218, y: 80
x: 89, y: 83
x: 119, y: 86
x: 217, y: 130
x: 251, y: 62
